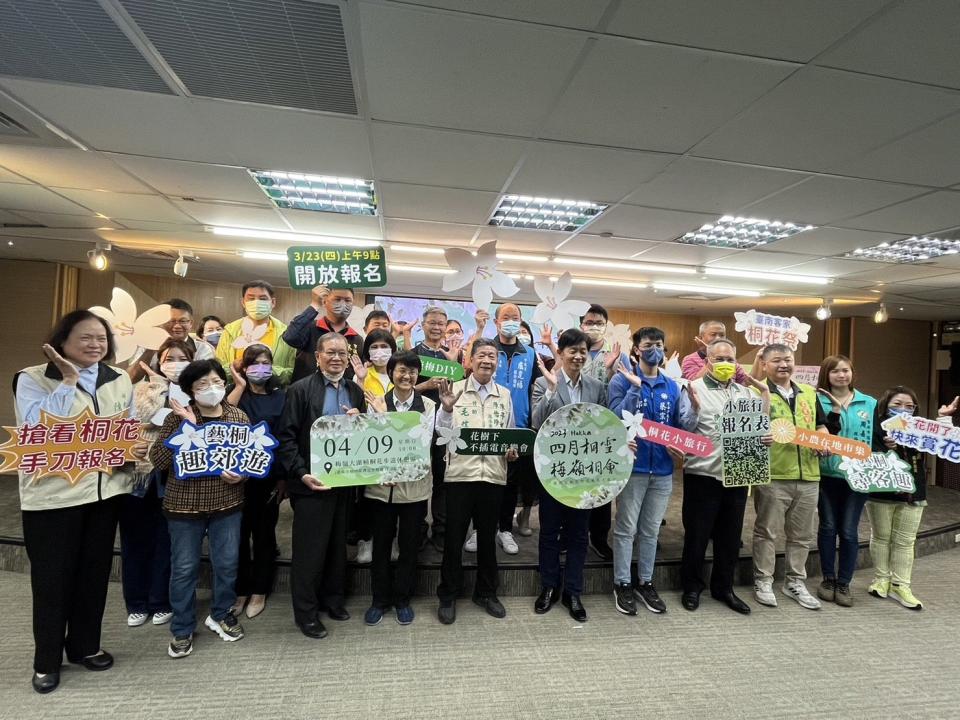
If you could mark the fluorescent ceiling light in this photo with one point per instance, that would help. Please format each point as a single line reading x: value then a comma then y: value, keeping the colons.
x: 417, y: 268
x: 912, y: 250
x: 257, y: 255
x: 302, y: 191
x: 742, y: 232
x: 292, y: 237
x: 416, y: 249
x: 611, y: 283
x: 540, y: 213
x: 521, y: 256
x: 617, y: 265
x: 705, y: 290
x: 752, y: 274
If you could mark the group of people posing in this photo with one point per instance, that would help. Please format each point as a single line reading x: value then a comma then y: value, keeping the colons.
x: 257, y: 369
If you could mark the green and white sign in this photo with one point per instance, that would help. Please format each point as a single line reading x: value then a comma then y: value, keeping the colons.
x: 334, y: 267
x: 493, y: 441
x: 881, y: 472
x: 746, y: 460
x: 581, y: 455
x: 438, y: 367
x: 371, y: 449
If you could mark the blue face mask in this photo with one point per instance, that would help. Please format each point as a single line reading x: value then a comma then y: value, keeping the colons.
x: 894, y: 412
x: 652, y: 356
x: 510, y: 328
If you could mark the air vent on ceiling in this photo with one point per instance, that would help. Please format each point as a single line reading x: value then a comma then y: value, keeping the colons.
x: 10, y: 127
x: 71, y: 41
x: 290, y: 53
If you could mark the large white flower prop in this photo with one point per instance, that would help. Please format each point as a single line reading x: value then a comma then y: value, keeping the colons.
x: 358, y: 316
x: 618, y: 334
x: 554, y: 308
x: 249, y: 333
x: 450, y: 436
x: 132, y: 331
x: 481, y: 270
x: 633, y: 424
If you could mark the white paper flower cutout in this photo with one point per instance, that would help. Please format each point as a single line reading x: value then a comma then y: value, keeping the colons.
x: 131, y: 331
x: 358, y: 316
x: 745, y: 320
x: 554, y: 308
x: 249, y: 333
x: 673, y: 369
x: 618, y: 334
x: 259, y: 437
x: 481, y: 270
x: 423, y: 431
x: 633, y: 424
x: 450, y: 436
x: 189, y: 436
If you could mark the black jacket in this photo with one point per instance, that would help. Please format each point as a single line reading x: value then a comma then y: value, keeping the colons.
x: 304, y: 405
x: 916, y: 459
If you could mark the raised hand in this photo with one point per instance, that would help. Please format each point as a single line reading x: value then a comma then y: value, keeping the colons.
x: 700, y: 343
x: 151, y: 373
x: 764, y: 391
x: 612, y: 358
x: 546, y: 335
x: 238, y: 378
x: 453, y: 349
x: 359, y: 369
x: 69, y: 371
x: 549, y: 375
x: 447, y: 398
x: 183, y: 412
x: 694, y: 400
x: 830, y: 396
x: 377, y: 403
x: 318, y: 294
x: 629, y: 375
x: 950, y: 409
x: 480, y: 318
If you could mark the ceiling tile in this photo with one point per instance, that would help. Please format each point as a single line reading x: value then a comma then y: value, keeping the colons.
x: 671, y: 252
x: 601, y: 247
x: 584, y: 173
x: 830, y: 267
x: 823, y: 200
x: 70, y: 221
x: 443, y: 158
x: 864, y: 113
x: 760, y: 260
x: 420, y: 202
x: 8, y: 177
x: 126, y: 205
x: 832, y: 241
x: 709, y: 186
x: 914, y: 41
x: 632, y: 221
x: 68, y: 168
x: 413, y: 231
x: 324, y: 223
x: 240, y: 216
x: 32, y: 197
x: 951, y: 294
x: 793, y: 31
x: 684, y: 95
x: 462, y: 72
x: 7, y: 217
x: 195, y: 180
x: 583, y: 14
x: 162, y: 227
x: 892, y: 273
x: 919, y: 216
x: 521, y: 240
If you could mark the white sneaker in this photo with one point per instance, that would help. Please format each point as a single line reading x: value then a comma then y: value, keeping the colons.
x: 798, y: 591
x: 137, y: 619
x: 395, y: 551
x: 162, y: 618
x: 763, y: 591
x: 365, y: 552
x: 471, y: 544
x: 506, y: 541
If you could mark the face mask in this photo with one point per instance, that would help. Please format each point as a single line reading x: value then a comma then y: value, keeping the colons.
x: 594, y: 333
x: 259, y: 374
x: 894, y: 412
x: 724, y: 371
x: 258, y: 309
x: 209, y: 397
x: 342, y: 308
x: 510, y: 328
x: 173, y: 368
x: 213, y: 337
x: 525, y: 339
x: 379, y: 356
x: 652, y: 356
x: 332, y: 378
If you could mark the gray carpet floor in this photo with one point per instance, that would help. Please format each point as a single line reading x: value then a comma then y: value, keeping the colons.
x: 876, y: 660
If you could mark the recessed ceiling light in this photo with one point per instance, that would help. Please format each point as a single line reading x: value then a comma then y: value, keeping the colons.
x: 754, y: 275
x: 325, y: 193
x: 705, y: 290
x: 257, y: 255
x: 911, y: 250
x: 292, y: 237
x: 742, y: 232
x: 619, y: 265
x: 540, y: 213
x: 10, y: 243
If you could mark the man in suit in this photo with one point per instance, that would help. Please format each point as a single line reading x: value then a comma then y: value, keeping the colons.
x: 561, y: 525
x: 318, y: 560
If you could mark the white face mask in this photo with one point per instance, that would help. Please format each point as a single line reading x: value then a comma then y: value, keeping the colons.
x: 172, y: 369
x: 332, y: 378
x: 380, y: 356
x: 210, y: 397
x: 594, y: 333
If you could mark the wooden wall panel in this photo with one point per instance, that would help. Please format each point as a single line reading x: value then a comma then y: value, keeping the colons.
x: 896, y: 352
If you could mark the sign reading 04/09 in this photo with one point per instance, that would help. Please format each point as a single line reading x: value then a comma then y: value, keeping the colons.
x: 344, y: 267
x: 370, y: 449
x: 746, y: 460
x: 216, y: 447
x: 581, y: 455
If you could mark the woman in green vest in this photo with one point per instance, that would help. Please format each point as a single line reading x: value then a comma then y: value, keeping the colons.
x: 69, y: 529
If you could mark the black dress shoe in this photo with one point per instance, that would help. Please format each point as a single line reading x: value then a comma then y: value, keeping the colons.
x: 733, y: 602
x: 314, y: 629
x: 447, y: 612
x: 46, y: 684
x: 101, y: 661
x: 338, y: 613
x: 572, y: 603
x: 493, y: 606
x: 690, y: 600
x: 548, y: 598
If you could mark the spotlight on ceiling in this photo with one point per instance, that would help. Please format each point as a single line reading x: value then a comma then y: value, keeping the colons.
x: 98, y: 257
x: 824, y: 312
x: 881, y: 315
x: 181, y: 265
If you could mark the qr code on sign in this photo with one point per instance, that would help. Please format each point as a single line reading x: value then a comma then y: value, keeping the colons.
x: 746, y: 461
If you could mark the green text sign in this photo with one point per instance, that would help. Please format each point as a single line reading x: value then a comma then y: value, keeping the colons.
x: 491, y: 441
x: 881, y: 472
x: 336, y: 267
x: 436, y: 367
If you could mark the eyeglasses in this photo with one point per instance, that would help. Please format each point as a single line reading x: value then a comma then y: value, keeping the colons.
x: 342, y: 354
x: 648, y: 345
x: 399, y: 371
x: 207, y: 384
x: 434, y: 324
x: 181, y: 321
x: 595, y: 324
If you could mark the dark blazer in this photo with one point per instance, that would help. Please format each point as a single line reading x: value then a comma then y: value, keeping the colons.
x: 304, y: 405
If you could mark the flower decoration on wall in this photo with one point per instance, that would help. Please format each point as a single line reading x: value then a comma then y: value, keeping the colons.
x: 481, y: 270
x: 554, y: 307
x: 132, y: 331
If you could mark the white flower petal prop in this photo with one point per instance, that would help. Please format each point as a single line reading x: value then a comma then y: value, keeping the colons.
x: 259, y: 437
x: 618, y: 333
x: 188, y: 437
x: 554, y: 308
x: 633, y: 424
x: 481, y: 270
x: 744, y: 320
x: 423, y: 431
x: 131, y: 331
x: 249, y: 333
x: 673, y: 369
x: 358, y: 316
x: 450, y: 436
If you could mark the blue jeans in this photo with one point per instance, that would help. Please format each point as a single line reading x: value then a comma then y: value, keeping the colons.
x: 840, y: 510
x: 186, y: 539
x: 640, y: 509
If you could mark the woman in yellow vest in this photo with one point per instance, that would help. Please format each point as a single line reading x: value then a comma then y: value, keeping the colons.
x: 69, y: 529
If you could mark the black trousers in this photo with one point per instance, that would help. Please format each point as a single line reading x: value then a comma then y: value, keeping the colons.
x: 145, y: 553
x: 522, y: 483
x: 710, y: 512
x: 562, y: 528
x: 70, y: 551
x: 479, y: 502
x: 319, y: 558
x: 600, y: 521
x: 258, y: 538
x: 395, y: 586
x: 358, y: 518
